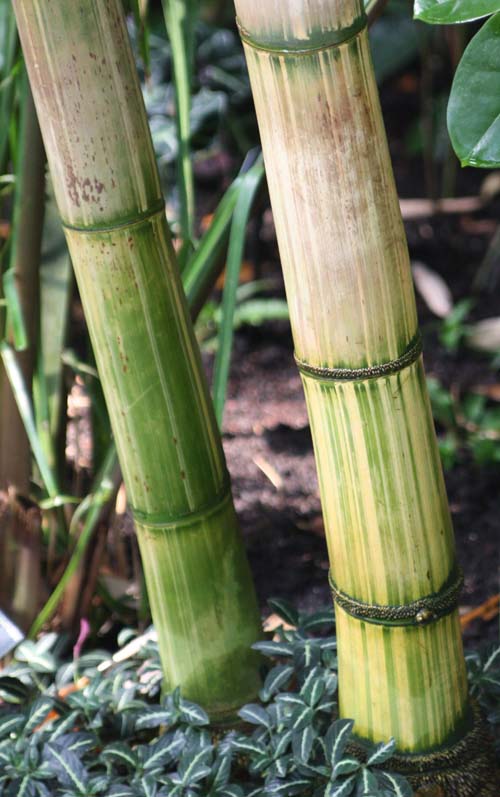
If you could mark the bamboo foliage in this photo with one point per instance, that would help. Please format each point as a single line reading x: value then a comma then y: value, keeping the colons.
x: 354, y: 323
x: 107, y: 188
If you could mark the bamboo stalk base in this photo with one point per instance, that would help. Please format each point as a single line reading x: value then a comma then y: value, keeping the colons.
x: 464, y: 769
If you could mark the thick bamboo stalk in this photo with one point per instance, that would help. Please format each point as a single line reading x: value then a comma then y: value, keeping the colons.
x: 349, y: 289
x: 107, y: 188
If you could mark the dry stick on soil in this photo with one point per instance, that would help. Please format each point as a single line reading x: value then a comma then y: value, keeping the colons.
x: 105, y: 177
x: 352, y: 308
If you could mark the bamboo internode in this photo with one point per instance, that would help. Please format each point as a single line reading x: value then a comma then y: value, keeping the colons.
x: 354, y: 323
x: 104, y: 171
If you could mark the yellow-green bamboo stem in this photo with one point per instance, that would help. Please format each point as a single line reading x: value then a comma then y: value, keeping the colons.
x: 349, y: 289
x: 107, y: 188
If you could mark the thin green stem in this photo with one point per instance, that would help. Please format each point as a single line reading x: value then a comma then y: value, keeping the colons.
x: 178, y: 23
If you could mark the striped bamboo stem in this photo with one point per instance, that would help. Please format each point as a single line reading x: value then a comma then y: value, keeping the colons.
x: 107, y: 188
x: 354, y: 323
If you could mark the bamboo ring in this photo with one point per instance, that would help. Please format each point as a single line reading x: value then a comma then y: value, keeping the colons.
x: 420, y: 612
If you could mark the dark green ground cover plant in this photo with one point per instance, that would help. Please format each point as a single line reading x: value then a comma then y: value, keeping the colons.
x: 102, y: 737
x: 99, y: 725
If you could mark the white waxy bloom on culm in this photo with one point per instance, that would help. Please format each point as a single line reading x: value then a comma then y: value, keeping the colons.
x: 106, y: 182
x: 354, y: 323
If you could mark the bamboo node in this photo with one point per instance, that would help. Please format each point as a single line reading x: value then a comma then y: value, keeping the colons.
x: 409, y: 356
x: 420, y: 612
x: 329, y: 39
x: 162, y: 521
x: 125, y: 223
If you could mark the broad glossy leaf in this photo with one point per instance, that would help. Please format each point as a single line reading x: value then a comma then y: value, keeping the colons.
x: 448, y: 12
x: 474, y: 105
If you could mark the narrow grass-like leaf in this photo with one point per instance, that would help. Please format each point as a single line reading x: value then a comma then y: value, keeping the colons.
x: 101, y: 493
x: 177, y: 19
x: 250, y: 183
x: 26, y: 411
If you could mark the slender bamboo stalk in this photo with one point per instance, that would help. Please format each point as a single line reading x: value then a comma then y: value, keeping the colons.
x: 23, y: 276
x: 349, y: 289
x: 107, y: 188
x: 20, y: 559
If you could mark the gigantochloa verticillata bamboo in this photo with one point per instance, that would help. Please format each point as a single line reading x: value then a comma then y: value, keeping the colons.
x: 353, y: 315
x: 107, y: 187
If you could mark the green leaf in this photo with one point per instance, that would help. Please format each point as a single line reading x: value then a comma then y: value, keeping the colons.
x: 153, y: 718
x: 313, y: 687
x: 336, y: 740
x: 67, y: 767
x: 382, y: 753
x: 273, y: 648
x: 399, y: 785
x: 341, y: 789
x: 302, y: 743
x: 10, y: 723
x: 301, y: 718
x: 285, y: 610
x: 276, y: 678
x: 474, y: 105
x: 192, y: 713
x: 38, y: 713
x: 346, y: 767
x: 366, y: 784
x: 23, y: 402
x: 248, y: 189
x: 121, y: 753
x: 12, y: 690
x: 448, y: 12
x: 255, y: 714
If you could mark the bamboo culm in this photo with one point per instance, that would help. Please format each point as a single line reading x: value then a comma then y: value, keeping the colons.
x: 107, y: 188
x: 354, y: 323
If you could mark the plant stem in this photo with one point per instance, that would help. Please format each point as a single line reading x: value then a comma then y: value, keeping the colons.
x: 107, y: 187
x: 179, y: 28
x: 350, y: 294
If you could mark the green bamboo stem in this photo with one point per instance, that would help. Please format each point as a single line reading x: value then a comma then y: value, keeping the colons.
x: 20, y: 559
x: 21, y: 322
x: 349, y: 289
x: 107, y: 188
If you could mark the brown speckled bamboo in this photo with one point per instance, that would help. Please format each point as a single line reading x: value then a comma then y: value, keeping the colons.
x: 107, y: 187
x: 349, y: 288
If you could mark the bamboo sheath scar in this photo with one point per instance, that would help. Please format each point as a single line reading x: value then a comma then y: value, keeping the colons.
x: 107, y: 187
x: 345, y: 260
